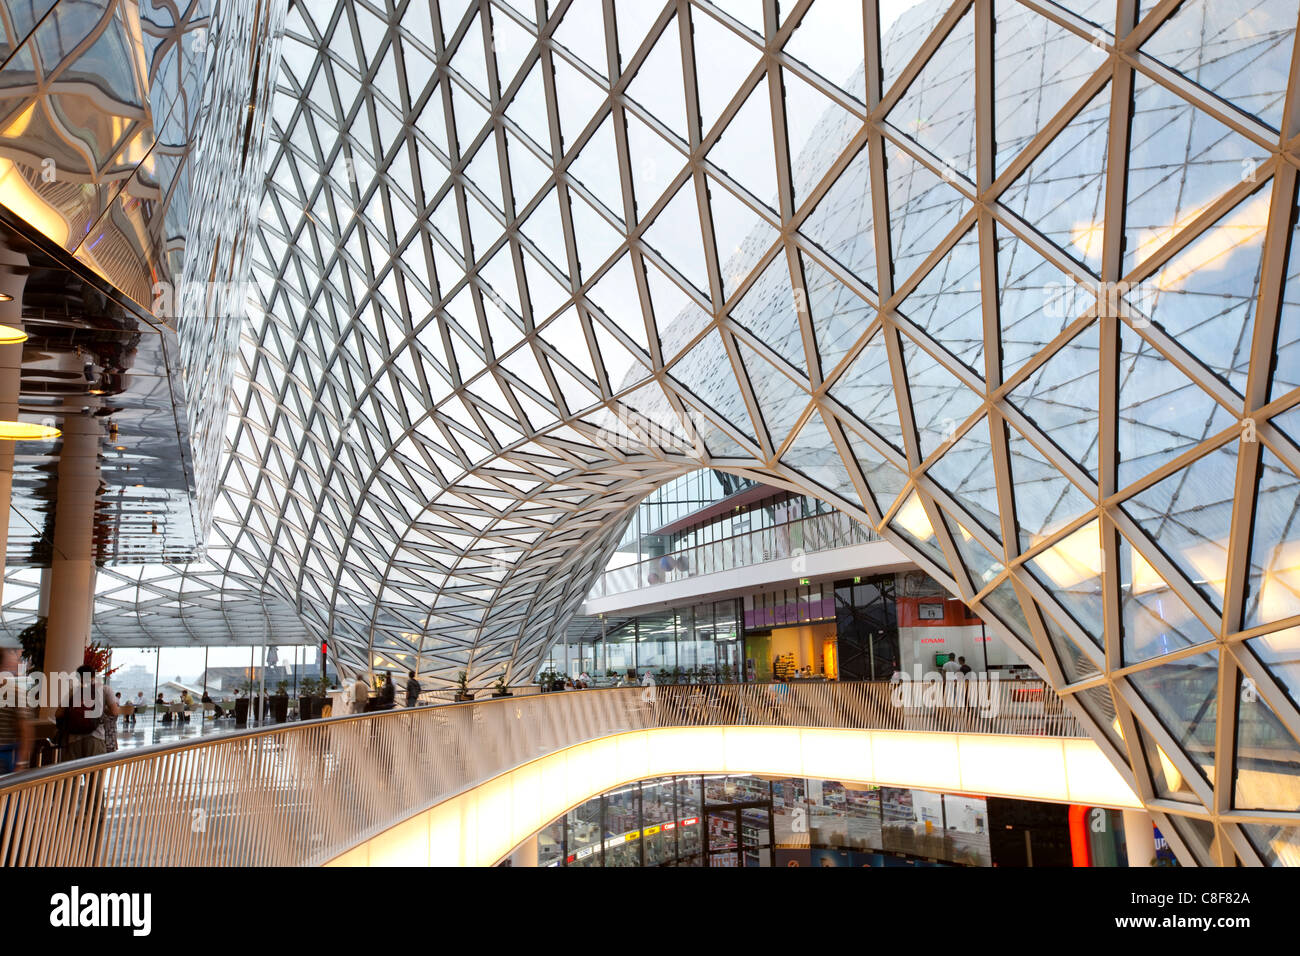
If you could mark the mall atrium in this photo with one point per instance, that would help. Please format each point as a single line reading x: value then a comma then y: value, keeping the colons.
x: 664, y: 387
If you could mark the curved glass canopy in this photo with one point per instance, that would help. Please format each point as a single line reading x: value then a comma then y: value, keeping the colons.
x: 1013, y: 282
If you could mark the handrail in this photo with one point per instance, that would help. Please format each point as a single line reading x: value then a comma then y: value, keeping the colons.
x: 302, y: 793
x: 816, y: 533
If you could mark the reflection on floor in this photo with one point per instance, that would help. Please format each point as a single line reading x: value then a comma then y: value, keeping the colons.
x: 145, y: 732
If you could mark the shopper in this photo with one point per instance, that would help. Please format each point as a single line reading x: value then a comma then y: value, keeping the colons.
x: 412, y: 689
x: 360, y: 695
x: 81, y: 723
x: 387, y: 693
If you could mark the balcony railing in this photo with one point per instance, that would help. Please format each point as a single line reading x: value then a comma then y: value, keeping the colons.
x: 301, y: 794
x: 822, y: 532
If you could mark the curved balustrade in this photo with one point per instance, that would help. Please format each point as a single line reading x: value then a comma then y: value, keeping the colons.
x: 301, y: 794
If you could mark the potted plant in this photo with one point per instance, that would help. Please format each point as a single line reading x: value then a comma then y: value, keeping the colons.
x: 32, y: 638
x: 241, y: 706
x: 462, y: 687
x: 322, y: 698
x: 279, y: 703
x: 306, y: 694
x: 499, y: 689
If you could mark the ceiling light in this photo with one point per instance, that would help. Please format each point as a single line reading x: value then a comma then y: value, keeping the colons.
x: 27, y: 431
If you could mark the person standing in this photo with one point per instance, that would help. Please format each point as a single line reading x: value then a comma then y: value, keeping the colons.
x: 387, y: 693
x: 360, y: 695
x: 412, y: 689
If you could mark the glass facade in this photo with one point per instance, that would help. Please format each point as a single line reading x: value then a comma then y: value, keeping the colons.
x: 748, y: 821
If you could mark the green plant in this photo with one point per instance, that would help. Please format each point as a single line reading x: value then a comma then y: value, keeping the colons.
x: 282, y: 689
x: 32, y: 638
x: 462, y: 681
x: 307, y: 687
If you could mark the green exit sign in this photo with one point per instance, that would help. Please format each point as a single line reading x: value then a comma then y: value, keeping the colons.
x: 805, y: 581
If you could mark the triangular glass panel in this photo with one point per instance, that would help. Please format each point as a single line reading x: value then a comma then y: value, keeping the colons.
x: 484, y: 171
x: 511, y: 44
x: 1155, y: 620
x: 1071, y: 571
x: 1029, y: 318
x: 839, y: 315
x: 1075, y: 664
x: 1061, y: 395
x: 634, y: 19
x: 884, y: 480
x: 913, y: 524
x: 615, y: 293
x: 469, y: 116
x: 829, y: 39
x: 1038, y: 66
x: 966, y: 472
x: 1189, y: 516
x: 596, y: 239
x: 1268, y: 758
x: 938, y: 108
x: 867, y: 390
x: 815, y: 455
x: 546, y: 230
x: 706, y: 371
x: 740, y: 236
x: 903, y: 28
x: 1062, y: 192
x: 744, y: 151
x: 676, y: 234
x: 623, y: 368
x: 578, y: 98
x: 1280, y: 653
x: 817, y: 129
x: 940, y: 401
x: 722, y: 62
x: 528, y: 174
x: 582, y: 32
x: 780, y: 400
x: 1161, y: 412
x: 842, y: 223
x: 922, y: 211
x: 677, y: 317
x: 1183, y: 695
x: 719, y: 443
x: 528, y: 108
x: 654, y: 163
x: 1045, y: 499
x: 947, y: 303
x: 658, y: 84
x: 1273, y: 579
x: 597, y: 167
x: 767, y: 310
x: 1004, y: 604
x: 1205, y: 295
x: 980, y: 563
x: 468, y: 60
x: 1243, y: 56
x: 545, y: 293
x: 1180, y: 161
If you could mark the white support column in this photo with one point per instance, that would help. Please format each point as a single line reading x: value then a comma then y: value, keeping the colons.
x: 1139, y: 838
x: 71, y: 592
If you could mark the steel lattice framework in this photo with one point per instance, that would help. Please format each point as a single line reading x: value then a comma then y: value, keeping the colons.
x: 1016, y: 286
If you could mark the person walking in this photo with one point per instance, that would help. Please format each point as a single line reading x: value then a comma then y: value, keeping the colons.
x: 412, y: 689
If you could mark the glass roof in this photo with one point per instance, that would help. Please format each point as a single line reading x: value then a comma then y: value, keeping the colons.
x: 513, y: 275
